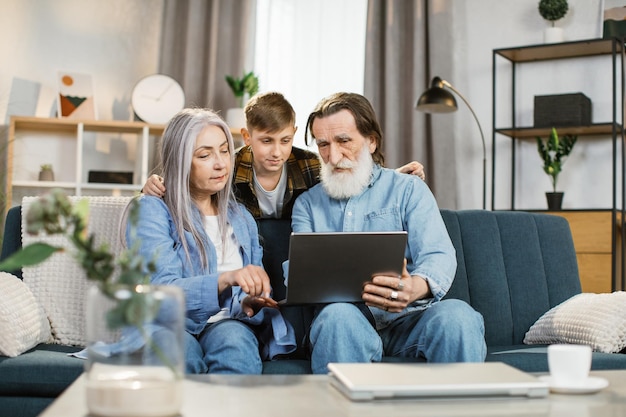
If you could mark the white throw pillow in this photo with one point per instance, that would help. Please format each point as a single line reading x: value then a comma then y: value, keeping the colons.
x: 23, y: 321
x: 597, y: 320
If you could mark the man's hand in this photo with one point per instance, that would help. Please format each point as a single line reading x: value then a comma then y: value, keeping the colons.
x: 395, y: 293
x: 413, y: 168
x: 154, y: 186
x: 252, y: 305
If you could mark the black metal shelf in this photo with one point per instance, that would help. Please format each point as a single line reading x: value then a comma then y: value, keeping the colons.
x: 552, y: 51
x: 613, y: 129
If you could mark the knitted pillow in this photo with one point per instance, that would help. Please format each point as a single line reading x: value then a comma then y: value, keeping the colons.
x: 59, y: 284
x: 597, y: 320
x: 23, y: 322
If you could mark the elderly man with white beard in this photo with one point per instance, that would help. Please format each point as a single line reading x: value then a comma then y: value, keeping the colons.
x: 405, y: 315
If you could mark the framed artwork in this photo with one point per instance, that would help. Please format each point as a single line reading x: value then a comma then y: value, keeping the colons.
x: 76, y: 98
x: 23, y: 98
x: 614, y: 22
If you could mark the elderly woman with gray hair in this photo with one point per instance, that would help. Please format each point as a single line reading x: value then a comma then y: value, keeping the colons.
x: 207, y: 244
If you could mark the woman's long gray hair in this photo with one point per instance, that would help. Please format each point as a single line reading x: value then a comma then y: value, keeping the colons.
x: 177, y: 149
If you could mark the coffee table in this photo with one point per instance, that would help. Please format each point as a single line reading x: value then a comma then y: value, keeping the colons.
x: 312, y: 395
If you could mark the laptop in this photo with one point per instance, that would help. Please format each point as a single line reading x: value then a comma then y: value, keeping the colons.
x: 332, y: 267
x: 373, y: 381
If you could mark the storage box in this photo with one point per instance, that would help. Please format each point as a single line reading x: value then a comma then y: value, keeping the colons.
x: 562, y: 110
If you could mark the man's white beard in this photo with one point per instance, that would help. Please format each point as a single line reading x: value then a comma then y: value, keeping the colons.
x: 343, y: 185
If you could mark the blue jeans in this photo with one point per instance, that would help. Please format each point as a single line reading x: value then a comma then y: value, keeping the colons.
x: 447, y: 331
x: 225, y: 347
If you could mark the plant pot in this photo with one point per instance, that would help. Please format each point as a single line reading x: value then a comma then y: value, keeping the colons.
x: 135, y: 370
x: 554, y: 200
x: 46, y: 175
x: 236, y: 118
x: 553, y: 35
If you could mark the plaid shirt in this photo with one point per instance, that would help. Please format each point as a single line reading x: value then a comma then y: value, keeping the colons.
x: 303, y: 171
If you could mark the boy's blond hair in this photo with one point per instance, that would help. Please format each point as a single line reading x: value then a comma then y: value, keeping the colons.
x: 269, y: 112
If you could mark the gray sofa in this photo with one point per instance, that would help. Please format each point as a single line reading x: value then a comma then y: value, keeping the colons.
x: 512, y: 268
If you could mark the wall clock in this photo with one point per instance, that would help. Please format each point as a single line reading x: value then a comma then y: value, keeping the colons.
x: 156, y: 98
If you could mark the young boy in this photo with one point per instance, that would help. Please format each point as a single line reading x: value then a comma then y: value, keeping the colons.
x: 270, y: 173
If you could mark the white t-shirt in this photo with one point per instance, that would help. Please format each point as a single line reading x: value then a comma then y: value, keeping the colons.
x: 227, y: 260
x: 271, y: 202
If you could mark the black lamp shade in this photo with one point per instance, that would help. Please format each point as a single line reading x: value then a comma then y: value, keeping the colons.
x: 436, y: 99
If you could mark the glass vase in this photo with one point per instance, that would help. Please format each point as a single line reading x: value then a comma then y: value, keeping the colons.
x: 135, y: 350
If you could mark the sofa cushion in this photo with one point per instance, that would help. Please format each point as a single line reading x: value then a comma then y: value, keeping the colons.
x: 44, y: 371
x: 23, y: 322
x: 596, y: 320
x: 494, y: 274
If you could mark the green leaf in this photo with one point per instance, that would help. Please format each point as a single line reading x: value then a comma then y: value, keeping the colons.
x: 235, y: 85
x: 81, y: 209
x: 251, y: 83
x: 30, y: 255
x: 553, y: 152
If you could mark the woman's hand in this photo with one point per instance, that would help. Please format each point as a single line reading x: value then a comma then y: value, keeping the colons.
x: 154, y: 186
x: 252, y: 279
x: 255, y: 282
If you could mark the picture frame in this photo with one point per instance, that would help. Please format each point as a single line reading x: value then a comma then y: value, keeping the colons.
x: 75, y: 98
x: 614, y: 22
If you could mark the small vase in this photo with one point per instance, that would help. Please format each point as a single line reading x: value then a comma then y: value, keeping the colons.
x: 46, y: 175
x: 236, y: 118
x: 135, y: 370
x: 554, y: 200
x: 553, y: 35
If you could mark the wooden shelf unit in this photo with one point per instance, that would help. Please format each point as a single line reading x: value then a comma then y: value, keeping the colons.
x: 75, y: 129
x: 591, y: 232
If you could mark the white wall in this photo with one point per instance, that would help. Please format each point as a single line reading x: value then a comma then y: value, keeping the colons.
x: 117, y: 41
x: 483, y: 25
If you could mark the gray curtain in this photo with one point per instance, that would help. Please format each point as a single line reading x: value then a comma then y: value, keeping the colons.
x: 397, y: 61
x: 203, y: 41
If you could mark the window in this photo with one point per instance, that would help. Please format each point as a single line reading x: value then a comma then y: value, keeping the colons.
x: 309, y: 49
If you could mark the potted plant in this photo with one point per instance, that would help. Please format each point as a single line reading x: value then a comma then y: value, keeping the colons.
x: 553, y: 10
x: 554, y: 151
x: 46, y: 173
x: 243, y: 88
x: 246, y: 85
x: 125, y: 364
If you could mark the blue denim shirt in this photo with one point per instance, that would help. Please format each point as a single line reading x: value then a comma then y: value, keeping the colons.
x: 392, y: 201
x: 160, y: 241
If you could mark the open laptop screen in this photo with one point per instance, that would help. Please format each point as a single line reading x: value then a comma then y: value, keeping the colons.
x: 332, y: 267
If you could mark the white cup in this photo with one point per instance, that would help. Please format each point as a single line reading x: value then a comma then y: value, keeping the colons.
x: 569, y: 364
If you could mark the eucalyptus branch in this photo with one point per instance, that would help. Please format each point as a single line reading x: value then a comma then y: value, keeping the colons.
x: 53, y: 214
